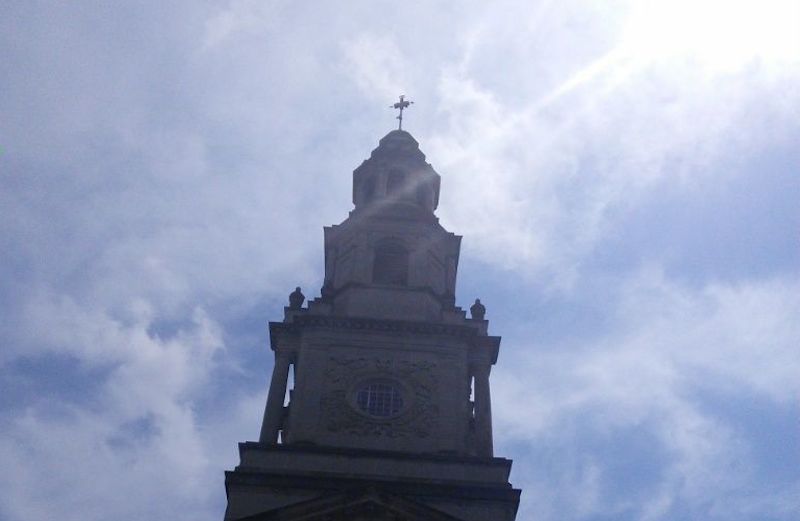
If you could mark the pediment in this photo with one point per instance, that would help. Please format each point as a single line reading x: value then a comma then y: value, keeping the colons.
x: 362, y: 506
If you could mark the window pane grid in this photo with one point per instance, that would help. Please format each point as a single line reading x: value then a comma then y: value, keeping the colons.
x: 379, y: 399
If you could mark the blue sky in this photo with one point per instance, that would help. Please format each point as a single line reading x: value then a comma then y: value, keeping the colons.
x: 624, y: 174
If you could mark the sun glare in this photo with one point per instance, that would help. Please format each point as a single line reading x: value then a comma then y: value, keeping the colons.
x: 723, y: 34
x: 720, y: 36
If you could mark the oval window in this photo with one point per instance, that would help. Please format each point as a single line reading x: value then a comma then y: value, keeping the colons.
x: 381, y: 398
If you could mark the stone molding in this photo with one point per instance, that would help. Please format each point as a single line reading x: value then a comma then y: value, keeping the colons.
x: 417, y: 420
x: 370, y: 324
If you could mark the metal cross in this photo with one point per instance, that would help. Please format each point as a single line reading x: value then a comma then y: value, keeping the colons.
x: 402, y: 104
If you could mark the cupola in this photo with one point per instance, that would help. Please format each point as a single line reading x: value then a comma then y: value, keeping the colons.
x: 396, y: 175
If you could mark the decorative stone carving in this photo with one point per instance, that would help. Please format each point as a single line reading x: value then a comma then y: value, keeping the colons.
x: 381, y: 325
x: 477, y: 310
x: 418, y: 417
x: 296, y: 298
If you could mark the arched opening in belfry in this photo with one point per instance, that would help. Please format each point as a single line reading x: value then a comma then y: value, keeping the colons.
x: 391, y: 263
x: 287, y: 400
x: 395, y: 182
x: 369, y: 189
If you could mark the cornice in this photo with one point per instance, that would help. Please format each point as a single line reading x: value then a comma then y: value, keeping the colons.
x: 300, y: 322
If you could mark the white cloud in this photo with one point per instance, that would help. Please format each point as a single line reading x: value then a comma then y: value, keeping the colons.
x: 378, y: 67
x: 551, y: 168
x: 161, y: 164
x: 239, y: 16
x: 674, y: 347
x: 137, y: 438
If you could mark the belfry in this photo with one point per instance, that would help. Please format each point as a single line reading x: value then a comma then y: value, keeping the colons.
x: 389, y: 412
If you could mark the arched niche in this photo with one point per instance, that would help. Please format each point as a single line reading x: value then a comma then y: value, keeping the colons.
x: 390, y: 264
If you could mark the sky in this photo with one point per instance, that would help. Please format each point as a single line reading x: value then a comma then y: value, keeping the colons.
x: 624, y: 175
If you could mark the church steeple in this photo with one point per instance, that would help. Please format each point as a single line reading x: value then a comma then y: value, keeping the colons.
x: 389, y: 416
x: 391, y: 258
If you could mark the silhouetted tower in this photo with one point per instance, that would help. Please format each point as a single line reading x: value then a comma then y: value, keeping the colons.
x: 390, y: 414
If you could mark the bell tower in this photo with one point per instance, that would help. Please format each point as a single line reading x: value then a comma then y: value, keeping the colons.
x: 389, y: 416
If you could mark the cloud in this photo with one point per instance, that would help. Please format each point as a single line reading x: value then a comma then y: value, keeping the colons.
x: 555, y: 166
x: 137, y: 430
x: 676, y: 349
x: 547, y: 193
x: 625, y: 195
x: 378, y: 67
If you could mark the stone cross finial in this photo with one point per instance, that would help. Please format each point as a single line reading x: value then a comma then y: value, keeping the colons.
x: 402, y: 104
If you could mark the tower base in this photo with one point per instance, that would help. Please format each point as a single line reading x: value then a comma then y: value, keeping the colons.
x: 287, y: 482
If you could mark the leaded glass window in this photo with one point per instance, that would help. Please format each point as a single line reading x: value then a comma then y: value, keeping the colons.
x: 381, y: 399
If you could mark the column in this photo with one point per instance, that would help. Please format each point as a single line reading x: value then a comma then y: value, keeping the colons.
x: 483, y: 410
x: 273, y: 412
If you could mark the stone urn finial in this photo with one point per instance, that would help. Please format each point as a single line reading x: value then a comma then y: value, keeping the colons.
x: 477, y: 310
x: 296, y: 298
